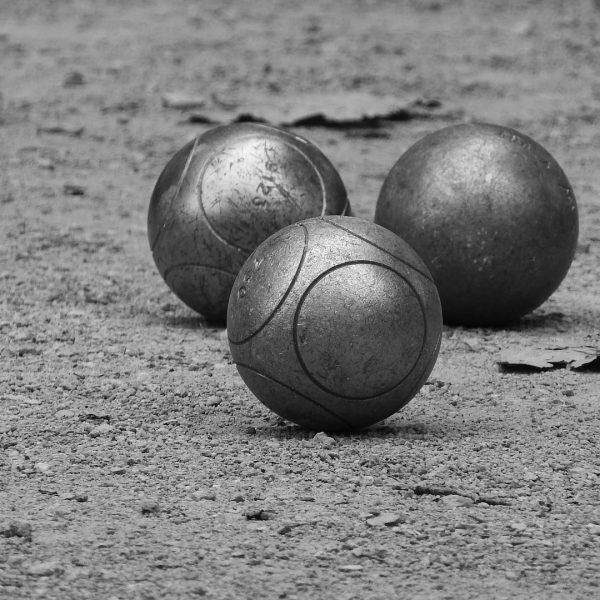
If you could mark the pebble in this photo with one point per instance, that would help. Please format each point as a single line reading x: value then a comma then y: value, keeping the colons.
x: 73, y: 78
x: 322, y: 439
x: 43, y: 467
x: 77, y: 496
x: 99, y: 430
x: 258, y: 514
x: 594, y: 528
x: 21, y: 529
x: 213, y: 401
x: 74, y: 189
x: 518, y: 526
x: 45, y: 163
x: 182, y: 101
x: 150, y: 507
x: 456, y: 501
x: 44, y: 569
x: 386, y: 519
x: 203, y: 495
x: 64, y: 413
x: 32, y: 401
x: 350, y: 568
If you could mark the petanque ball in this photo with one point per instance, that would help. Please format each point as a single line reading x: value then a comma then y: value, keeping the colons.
x: 492, y: 215
x: 224, y: 193
x: 334, y: 323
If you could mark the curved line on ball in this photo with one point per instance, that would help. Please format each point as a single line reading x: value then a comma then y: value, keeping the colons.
x: 183, y: 175
x: 207, y: 220
x: 285, y: 295
x: 312, y: 164
x: 324, y: 408
x: 346, y: 208
x: 364, y: 239
x: 295, y: 330
x: 198, y: 266
x: 215, y: 233
x: 418, y: 384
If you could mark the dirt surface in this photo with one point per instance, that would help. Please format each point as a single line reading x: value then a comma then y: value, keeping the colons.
x: 133, y: 461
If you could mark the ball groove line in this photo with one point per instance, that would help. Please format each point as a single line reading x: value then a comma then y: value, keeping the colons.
x: 182, y: 177
x: 324, y: 408
x: 297, y: 316
x: 198, y: 266
x: 284, y: 297
x: 360, y: 237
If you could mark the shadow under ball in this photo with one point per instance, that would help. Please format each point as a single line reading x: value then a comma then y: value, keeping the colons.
x: 334, y: 323
x: 492, y: 215
x: 224, y: 193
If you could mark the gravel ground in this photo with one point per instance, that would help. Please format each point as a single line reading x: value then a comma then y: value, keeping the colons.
x: 134, y: 463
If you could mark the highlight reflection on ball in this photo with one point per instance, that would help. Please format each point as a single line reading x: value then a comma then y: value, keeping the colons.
x: 334, y: 323
x: 224, y: 193
x: 492, y: 215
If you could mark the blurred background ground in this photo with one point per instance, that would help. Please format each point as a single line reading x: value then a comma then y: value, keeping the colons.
x: 133, y: 461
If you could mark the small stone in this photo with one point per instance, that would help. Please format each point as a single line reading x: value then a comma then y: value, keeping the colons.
x: 322, y: 439
x: 43, y: 467
x: 73, y: 78
x: 285, y: 529
x: 594, y: 528
x: 198, y: 591
x: 150, y: 507
x: 99, y: 430
x: 20, y: 529
x: 45, y: 163
x: 44, y: 569
x: 386, y: 519
x: 251, y: 430
x: 203, y: 495
x: 351, y: 568
x: 238, y: 498
x: 456, y: 501
x: 77, y: 496
x: 118, y: 471
x: 213, y: 401
x: 73, y: 189
x: 182, y: 101
x: 258, y: 514
x: 64, y: 413
x: 518, y: 526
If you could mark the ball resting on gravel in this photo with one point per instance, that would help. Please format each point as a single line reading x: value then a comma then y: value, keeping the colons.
x: 224, y: 193
x: 492, y: 215
x: 334, y: 323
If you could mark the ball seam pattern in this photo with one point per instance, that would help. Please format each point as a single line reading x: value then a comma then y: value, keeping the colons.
x: 283, y: 298
x: 182, y: 177
x: 311, y: 400
x: 364, y: 239
x: 297, y: 316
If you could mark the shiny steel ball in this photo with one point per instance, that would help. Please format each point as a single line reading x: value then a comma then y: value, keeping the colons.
x: 492, y: 215
x: 334, y: 323
x: 224, y: 193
